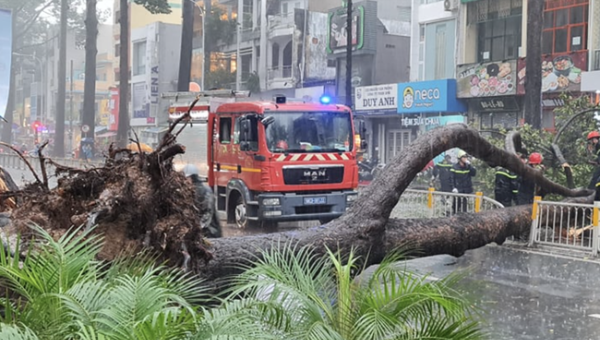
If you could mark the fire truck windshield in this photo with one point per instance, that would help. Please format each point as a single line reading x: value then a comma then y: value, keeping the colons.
x: 310, y: 132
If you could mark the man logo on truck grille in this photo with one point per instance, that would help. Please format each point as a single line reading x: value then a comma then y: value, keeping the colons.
x: 314, y: 175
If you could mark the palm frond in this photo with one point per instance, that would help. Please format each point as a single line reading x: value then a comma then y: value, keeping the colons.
x: 14, y: 332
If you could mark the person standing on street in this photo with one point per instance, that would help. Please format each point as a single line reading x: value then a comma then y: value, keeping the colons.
x: 462, y: 172
x: 442, y: 171
x: 593, y: 147
x: 527, y: 188
x: 506, y: 187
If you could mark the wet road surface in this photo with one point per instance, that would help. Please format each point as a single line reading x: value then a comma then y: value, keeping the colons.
x: 526, y: 294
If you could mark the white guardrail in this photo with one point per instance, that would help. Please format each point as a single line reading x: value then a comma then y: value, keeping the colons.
x: 431, y: 204
x: 13, y: 161
x: 565, y: 225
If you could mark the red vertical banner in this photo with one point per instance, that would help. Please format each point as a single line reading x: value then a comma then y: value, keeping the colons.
x: 114, y: 109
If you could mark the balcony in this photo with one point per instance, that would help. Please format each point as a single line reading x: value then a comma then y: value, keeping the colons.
x: 282, y: 24
x: 280, y: 77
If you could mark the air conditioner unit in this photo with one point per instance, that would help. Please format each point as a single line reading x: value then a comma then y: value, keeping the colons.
x: 450, y: 5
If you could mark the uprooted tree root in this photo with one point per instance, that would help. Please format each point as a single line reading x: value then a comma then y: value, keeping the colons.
x: 136, y: 201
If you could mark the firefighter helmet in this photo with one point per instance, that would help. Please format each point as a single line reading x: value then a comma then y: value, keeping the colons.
x: 461, y: 154
x: 535, y: 158
x: 593, y: 134
x: 190, y: 169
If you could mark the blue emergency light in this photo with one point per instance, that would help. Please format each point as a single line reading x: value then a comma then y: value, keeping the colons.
x: 325, y: 99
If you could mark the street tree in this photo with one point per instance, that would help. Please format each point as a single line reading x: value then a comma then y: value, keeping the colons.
x: 154, y: 7
x: 91, y: 51
x: 187, y: 36
x: 533, y: 80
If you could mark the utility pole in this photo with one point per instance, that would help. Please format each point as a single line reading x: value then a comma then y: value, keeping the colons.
x: 349, y: 53
x: 238, y: 58
x: 533, y: 80
x: 123, y: 124
x: 71, y: 108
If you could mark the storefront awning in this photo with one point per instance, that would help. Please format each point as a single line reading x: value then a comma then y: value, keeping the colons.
x: 156, y: 130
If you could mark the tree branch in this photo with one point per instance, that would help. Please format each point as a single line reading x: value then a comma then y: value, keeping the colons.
x: 24, y: 160
x: 32, y: 21
x: 43, y: 164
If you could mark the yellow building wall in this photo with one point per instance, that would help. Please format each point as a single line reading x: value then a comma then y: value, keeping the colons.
x: 140, y: 17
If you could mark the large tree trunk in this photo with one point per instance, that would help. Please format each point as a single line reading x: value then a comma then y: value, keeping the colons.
x: 123, y: 126
x: 366, y: 226
x: 349, y: 53
x: 91, y: 51
x: 59, y: 135
x: 533, y: 80
x: 187, y: 35
x: 10, y: 105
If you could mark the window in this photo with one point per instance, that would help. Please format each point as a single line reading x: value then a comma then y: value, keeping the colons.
x: 499, y: 39
x: 253, y: 138
x: 139, y: 58
x: 565, y: 26
x: 225, y: 130
x: 440, y: 50
x: 117, y: 50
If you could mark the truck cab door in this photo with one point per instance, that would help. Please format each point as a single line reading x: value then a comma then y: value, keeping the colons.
x: 246, y: 136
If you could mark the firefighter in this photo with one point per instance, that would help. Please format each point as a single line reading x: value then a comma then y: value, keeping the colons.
x: 461, y: 174
x: 441, y: 171
x: 593, y: 139
x: 506, y: 187
x: 527, y: 188
x: 204, y: 200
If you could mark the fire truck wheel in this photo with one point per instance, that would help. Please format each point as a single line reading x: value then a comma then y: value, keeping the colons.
x: 241, y: 220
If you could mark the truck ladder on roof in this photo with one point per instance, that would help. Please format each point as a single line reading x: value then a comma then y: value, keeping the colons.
x: 211, y: 93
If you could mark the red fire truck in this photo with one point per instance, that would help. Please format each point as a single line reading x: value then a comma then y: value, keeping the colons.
x: 279, y: 161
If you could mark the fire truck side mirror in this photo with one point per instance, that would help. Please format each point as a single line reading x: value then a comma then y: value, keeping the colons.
x: 266, y: 121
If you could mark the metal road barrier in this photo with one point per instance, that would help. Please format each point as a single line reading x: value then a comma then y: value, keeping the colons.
x: 432, y: 204
x: 13, y: 161
x: 565, y: 225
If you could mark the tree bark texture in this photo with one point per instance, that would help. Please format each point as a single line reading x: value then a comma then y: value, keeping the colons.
x: 205, y: 42
x: 123, y: 126
x: 59, y: 136
x: 91, y: 51
x: 185, y: 56
x: 533, y: 80
x: 367, y: 227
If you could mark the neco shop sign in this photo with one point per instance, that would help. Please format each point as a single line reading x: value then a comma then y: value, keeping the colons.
x: 378, y: 97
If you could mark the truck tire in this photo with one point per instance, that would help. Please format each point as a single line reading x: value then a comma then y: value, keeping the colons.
x: 241, y: 218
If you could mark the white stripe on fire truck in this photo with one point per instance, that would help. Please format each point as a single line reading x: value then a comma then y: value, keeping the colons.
x: 295, y: 157
x: 332, y: 157
x: 320, y: 157
x: 281, y: 158
x: 344, y: 157
x: 308, y: 157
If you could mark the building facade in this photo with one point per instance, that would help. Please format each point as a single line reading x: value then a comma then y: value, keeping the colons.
x: 153, y: 72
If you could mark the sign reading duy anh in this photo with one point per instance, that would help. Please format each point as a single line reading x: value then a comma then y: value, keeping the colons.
x: 378, y: 97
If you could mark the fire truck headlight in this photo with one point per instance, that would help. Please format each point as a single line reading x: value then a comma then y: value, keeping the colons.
x: 351, y: 198
x: 271, y: 201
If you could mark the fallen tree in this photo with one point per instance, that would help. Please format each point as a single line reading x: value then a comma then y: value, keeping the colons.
x: 368, y: 229
x: 138, y: 201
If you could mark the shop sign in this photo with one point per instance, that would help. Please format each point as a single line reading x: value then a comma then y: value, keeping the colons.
x: 496, y: 104
x: 560, y: 72
x: 379, y: 97
x: 487, y: 79
x: 420, y: 121
x: 337, y: 35
x: 429, y: 96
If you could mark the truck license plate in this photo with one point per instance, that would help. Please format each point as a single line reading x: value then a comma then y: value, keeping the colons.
x: 315, y: 200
